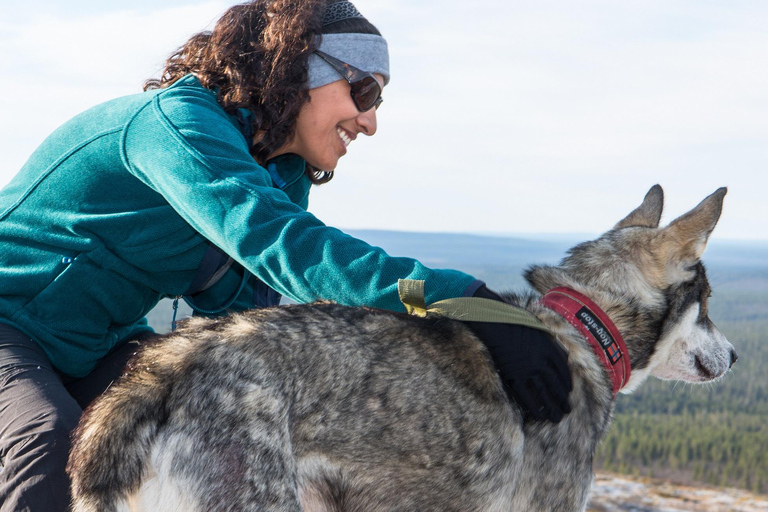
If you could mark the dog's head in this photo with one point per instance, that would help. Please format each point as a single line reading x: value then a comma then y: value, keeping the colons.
x: 652, y: 284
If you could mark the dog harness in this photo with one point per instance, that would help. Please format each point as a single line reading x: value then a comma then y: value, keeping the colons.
x: 469, y: 309
x: 597, y: 328
x: 591, y: 321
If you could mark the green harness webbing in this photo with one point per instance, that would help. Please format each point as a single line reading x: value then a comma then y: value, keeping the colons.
x: 470, y: 309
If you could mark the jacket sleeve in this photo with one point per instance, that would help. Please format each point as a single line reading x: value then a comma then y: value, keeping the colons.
x: 184, y: 146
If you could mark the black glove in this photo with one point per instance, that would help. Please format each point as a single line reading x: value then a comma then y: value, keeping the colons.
x: 532, y: 366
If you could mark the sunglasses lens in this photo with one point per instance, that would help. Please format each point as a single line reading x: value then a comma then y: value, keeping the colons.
x: 366, y: 92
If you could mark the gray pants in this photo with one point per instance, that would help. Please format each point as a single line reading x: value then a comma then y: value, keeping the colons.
x: 39, y: 408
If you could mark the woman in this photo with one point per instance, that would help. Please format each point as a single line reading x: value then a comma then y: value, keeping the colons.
x: 198, y: 188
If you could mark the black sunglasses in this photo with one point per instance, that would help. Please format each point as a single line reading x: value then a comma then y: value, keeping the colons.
x: 366, y: 91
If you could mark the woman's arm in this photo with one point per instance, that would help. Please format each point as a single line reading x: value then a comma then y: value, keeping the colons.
x: 185, y: 147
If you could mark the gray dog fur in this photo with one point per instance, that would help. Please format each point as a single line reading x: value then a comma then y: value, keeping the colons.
x: 324, y: 407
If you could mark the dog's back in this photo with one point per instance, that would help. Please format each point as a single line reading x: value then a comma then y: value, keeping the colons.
x: 356, y: 405
x: 337, y: 409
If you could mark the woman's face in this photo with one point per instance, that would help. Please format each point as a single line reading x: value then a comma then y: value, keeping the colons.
x: 327, y: 124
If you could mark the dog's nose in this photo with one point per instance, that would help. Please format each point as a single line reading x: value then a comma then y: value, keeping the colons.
x: 734, y: 357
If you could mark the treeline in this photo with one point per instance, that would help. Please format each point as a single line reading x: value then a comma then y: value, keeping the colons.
x: 743, y: 390
x: 720, y: 449
x: 714, y: 434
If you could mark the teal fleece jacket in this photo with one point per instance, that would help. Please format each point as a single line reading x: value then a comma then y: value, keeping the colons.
x: 116, y: 209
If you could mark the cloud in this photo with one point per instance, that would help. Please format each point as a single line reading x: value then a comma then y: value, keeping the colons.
x: 495, y: 108
x: 108, y: 48
x: 506, y: 106
x: 55, y: 66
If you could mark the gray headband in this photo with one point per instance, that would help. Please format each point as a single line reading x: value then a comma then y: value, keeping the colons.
x: 363, y: 51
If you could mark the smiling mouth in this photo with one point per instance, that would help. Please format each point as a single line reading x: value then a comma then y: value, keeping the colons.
x: 344, y: 136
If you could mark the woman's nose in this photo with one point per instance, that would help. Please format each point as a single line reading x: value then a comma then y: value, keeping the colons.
x: 367, y: 121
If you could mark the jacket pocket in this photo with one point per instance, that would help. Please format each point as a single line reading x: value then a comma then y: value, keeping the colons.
x: 86, y: 302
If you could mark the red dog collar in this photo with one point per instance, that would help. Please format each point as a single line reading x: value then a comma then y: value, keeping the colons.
x: 596, y: 327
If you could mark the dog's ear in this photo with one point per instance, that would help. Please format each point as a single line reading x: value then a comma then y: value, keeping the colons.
x: 543, y: 278
x: 685, y: 239
x: 647, y: 214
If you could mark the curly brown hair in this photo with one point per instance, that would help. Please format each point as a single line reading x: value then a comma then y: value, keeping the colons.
x: 256, y: 58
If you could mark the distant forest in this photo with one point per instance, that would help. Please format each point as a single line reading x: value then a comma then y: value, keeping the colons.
x: 713, y: 434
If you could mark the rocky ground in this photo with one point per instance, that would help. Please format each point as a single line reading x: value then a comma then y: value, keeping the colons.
x: 621, y: 493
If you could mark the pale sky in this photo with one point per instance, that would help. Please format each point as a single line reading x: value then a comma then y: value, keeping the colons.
x: 502, y: 116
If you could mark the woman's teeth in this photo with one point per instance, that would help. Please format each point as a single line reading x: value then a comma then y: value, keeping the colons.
x: 344, y: 137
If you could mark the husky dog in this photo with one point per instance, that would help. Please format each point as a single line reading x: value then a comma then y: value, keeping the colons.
x: 330, y: 408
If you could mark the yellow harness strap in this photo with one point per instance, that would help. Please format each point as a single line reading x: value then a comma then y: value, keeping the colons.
x: 470, y: 309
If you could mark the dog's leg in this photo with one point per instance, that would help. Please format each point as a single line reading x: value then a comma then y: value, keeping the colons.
x: 248, y: 466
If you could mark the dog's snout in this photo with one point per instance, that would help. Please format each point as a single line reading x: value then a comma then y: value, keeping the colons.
x: 734, y: 357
